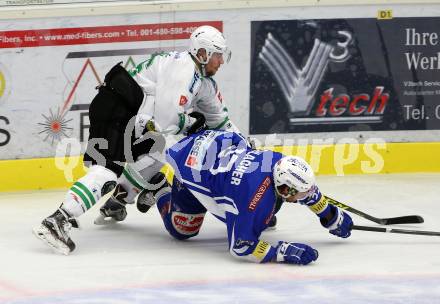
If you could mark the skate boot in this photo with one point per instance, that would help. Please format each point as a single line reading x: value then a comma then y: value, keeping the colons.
x: 54, y: 231
x: 146, y: 198
x: 114, y: 209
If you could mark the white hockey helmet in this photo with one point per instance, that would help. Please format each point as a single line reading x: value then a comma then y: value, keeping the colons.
x: 294, y: 173
x: 212, y: 40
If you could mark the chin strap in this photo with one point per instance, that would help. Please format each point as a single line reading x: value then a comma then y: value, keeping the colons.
x: 203, y: 70
x: 199, y: 64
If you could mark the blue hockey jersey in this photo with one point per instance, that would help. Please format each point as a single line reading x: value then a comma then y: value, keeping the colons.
x: 234, y: 183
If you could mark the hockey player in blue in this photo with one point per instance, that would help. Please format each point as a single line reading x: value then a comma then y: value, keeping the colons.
x: 218, y: 172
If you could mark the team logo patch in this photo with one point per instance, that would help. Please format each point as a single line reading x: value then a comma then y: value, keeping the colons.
x: 191, y: 161
x: 258, y: 195
x: 183, y: 100
x: 199, y: 149
x: 240, y: 243
x: 187, y: 224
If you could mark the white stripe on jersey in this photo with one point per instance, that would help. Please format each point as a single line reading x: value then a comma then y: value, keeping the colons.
x: 219, y: 198
x: 212, y: 205
x: 195, y: 185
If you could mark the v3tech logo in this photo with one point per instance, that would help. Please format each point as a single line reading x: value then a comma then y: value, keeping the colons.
x: 299, y: 85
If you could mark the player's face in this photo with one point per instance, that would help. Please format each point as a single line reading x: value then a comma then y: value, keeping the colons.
x: 214, y: 64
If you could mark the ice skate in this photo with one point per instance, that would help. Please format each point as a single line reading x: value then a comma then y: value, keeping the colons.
x: 146, y: 198
x: 114, y: 209
x: 54, y: 231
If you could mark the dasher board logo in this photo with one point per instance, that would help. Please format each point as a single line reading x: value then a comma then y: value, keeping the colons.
x: 72, y: 112
x: 299, y: 84
x: 334, y: 75
x: 5, y: 84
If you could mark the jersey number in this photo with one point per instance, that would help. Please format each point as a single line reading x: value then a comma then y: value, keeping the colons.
x: 227, y: 158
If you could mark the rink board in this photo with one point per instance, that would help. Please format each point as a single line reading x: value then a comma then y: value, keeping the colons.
x: 371, y: 94
x: 76, y: 45
x: 341, y: 159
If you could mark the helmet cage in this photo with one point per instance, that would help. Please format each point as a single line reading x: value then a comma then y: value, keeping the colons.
x: 282, y: 189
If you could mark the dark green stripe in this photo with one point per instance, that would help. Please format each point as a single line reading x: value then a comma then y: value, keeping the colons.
x: 86, y: 191
x: 146, y: 63
x: 81, y: 195
x: 181, y: 122
x: 222, y: 124
x: 131, y: 179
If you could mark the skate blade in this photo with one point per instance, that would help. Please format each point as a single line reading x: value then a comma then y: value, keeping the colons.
x: 102, y: 220
x: 44, y: 235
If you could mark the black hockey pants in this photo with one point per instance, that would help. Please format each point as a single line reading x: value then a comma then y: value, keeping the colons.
x: 117, y: 101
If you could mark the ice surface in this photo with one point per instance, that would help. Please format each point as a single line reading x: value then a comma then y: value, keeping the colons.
x: 137, y: 262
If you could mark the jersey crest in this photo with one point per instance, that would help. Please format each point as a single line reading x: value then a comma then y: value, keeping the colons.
x: 199, y: 149
x: 183, y: 100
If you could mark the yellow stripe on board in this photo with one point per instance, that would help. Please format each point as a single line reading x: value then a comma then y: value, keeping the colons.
x: 40, y: 173
x: 340, y: 159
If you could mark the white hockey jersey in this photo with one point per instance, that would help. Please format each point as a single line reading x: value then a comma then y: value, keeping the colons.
x: 173, y: 87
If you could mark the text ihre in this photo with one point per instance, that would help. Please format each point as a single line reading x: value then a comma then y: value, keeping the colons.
x: 417, y: 60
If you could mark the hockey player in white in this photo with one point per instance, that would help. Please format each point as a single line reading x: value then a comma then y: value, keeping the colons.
x: 172, y: 93
x: 168, y: 77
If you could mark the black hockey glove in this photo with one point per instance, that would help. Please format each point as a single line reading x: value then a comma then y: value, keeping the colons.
x: 198, y: 125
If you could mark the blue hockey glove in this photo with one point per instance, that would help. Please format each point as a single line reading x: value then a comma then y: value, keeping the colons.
x: 340, y: 224
x: 295, y: 253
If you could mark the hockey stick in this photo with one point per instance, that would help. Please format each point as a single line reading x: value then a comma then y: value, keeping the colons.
x: 390, y: 230
x: 408, y: 219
